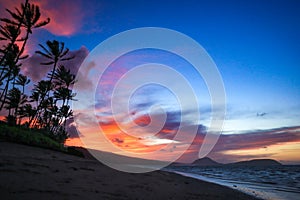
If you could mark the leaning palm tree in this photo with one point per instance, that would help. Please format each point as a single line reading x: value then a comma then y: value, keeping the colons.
x: 15, y: 99
x: 26, y: 111
x: 64, y: 94
x: 63, y: 80
x: 63, y: 77
x: 22, y: 80
x: 54, y: 53
x: 11, y: 69
x: 38, y: 95
x: 8, y: 35
x: 27, y: 17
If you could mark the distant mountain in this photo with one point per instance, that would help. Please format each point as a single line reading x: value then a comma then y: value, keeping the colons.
x: 210, y: 162
x: 205, y: 162
x: 257, y: 162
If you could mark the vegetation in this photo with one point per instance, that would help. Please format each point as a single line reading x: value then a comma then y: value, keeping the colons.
x: 34, y: 138
x: 45, y: 109
x: 29, y: 137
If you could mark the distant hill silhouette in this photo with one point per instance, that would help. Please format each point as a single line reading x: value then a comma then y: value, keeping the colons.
x: 205, y: 162
x: 257, y: 162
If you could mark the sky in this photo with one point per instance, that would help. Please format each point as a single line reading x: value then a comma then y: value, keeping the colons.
x: 254, y: 44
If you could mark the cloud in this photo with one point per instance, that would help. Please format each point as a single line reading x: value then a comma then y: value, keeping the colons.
x: 258, y: 139
x: 31, y: 66
x: 67, y: 17
x: 229, y: 148
x: 232, y: 147
x: 71, y: 129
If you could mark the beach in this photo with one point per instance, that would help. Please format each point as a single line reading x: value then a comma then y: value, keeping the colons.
x: 34, y: 173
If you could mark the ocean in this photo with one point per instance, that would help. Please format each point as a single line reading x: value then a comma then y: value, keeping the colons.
x: 271, y: 183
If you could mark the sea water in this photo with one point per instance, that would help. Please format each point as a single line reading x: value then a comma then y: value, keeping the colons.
x: 272, y: 182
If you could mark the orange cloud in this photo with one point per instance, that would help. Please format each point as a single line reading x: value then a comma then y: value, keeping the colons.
x: 143, y: 120
x: 74, y: 142
x: 125, y: 141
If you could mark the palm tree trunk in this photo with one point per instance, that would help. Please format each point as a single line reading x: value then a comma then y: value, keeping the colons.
x: 4, y: 93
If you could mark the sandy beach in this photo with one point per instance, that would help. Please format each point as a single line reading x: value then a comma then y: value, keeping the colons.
x: 34, y: 173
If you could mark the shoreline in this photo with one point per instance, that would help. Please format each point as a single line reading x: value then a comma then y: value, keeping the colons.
x: 29, y: 173
x: 235, y: 186
x: 261, y: 190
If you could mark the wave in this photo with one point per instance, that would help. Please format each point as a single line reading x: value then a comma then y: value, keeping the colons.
x: 276, y: 183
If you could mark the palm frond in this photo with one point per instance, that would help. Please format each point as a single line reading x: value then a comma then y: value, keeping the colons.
x: 43, y: 54
x: 47, y: 63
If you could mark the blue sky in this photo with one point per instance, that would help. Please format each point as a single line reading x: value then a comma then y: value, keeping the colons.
x: 255, y: 45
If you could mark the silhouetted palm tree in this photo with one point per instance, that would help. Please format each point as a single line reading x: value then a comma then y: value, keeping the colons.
x: 64, y: 94
x: 15, y: 99
x: 26, y: 111
x: 55, y: 53
x: 28, y: 17
x: 22, y: 80
x: 11, y: 68
x: 63, y: 77
x: 38, y: 95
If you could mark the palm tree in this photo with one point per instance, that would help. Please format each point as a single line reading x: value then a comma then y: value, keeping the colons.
x: 59, y: 130
x: 28, y: 17
x: 11, y: 70
x: 22, y: 80
x: 64, y: 94
x: 15, y: 99
x: 41, y: 88
x: 8, y: 33
x: 64, y: 77
x: 26, y: 111
x: 55, y: 53
x: 38, y: 94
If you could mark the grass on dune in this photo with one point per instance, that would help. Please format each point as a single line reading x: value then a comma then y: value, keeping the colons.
x: 36, y: 138
x: 29, y: 137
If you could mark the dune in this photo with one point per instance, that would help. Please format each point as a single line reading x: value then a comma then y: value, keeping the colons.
x: 34, y: 173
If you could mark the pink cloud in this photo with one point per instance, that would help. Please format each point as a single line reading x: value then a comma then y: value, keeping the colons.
x: 66, y: 16
x: 31, y: 67
x: 246, y: 141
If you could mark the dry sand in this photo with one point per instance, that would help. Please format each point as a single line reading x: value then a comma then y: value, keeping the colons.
x: 34, y: 173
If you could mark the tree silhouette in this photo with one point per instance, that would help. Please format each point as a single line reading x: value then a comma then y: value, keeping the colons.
x: 26, y: 17
x: 22, y: 80
x: 47, y: 108
x: 15, y: 99
x: 10, y: 69
x: 64, y: 79
x: 54, y: 53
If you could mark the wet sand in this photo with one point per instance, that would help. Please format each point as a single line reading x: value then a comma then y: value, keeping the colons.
x: 34, y: 173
